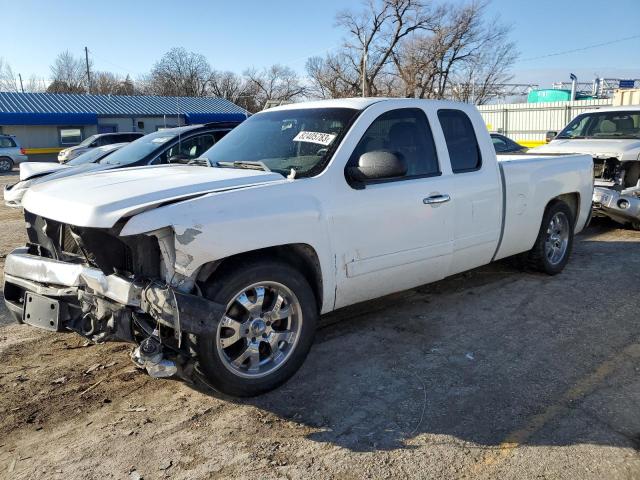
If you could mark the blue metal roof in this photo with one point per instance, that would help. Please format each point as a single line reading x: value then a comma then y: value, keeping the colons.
x: 59, y: 108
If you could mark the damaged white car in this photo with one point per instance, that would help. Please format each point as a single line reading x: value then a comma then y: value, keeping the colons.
x: 611, y: 136
x: 222, y: 273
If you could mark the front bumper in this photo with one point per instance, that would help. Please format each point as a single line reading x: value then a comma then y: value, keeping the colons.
x: 615, y: 205
x: 100, y: 306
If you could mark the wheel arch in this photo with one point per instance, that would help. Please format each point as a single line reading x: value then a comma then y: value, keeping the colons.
x: 572, y: 200
x: 300, y: 256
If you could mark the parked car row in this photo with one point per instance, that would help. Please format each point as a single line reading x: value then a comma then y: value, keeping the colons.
x: 219, y: 268
x: 175, y: 145
x: 95, y: 141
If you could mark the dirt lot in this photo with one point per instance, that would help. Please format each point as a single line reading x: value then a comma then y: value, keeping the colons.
x: 492, y: 374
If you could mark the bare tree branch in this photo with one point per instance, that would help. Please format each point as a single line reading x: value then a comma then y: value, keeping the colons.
x: 178, y: 73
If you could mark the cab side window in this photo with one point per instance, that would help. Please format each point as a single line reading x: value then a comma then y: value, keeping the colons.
x: 187, y: 149
x: 406, y: 133
x: 499, y: 144
x: 464, y: 151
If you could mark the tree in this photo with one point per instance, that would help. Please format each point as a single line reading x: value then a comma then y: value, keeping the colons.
x: 415, y: 48
x: 35, y: 85
x: 481, y: 77
x: 68, y: 74
x: 232, y: 87
x: 8, y: 80
x: 332, y: 77
x: 372, y: 36
x: 273, y: 83
x: 178, y: 73
x: 107, y: 83
x: 461, y: 57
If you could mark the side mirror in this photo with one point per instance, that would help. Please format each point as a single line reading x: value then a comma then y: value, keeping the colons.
x: 550, y: 135
x: 94, y: 144
x: 378, y: 165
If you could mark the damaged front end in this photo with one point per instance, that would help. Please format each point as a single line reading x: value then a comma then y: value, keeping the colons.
x: 617, y: 190
x: 622, y: 207
x: 610, y: 172
x: 107, y: 287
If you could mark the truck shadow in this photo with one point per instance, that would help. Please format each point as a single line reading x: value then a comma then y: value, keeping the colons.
x: 478, y: 357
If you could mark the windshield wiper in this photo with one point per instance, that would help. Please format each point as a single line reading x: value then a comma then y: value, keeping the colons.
x: 245, y: 164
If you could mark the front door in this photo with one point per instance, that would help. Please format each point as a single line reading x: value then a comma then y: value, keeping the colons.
x: 394, y: 234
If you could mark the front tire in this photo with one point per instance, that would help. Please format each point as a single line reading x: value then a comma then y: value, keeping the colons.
x: 266, y: 332
x: 554, y: 243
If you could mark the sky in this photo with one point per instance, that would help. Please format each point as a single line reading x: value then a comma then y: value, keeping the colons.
x: 127, y: 37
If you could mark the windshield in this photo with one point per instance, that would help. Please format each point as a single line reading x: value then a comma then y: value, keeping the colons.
x: 299, y: 139
x: 91, y: 156
x: 140, y: 148
x: 87, y: 141
x: 603, y: 125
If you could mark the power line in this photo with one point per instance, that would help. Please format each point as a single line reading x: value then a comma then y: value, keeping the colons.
x: 588, y: 47
x: 119, y: 67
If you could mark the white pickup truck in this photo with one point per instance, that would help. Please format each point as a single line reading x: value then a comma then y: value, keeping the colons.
x: 221, y: 273
x: 611, y: 136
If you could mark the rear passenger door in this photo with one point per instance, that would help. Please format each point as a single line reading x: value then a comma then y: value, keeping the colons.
x: 475, y: 190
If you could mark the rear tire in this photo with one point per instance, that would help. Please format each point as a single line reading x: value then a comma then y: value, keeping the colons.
x: 554, y: 243
x: 257, y: 346
x: 6, y: 164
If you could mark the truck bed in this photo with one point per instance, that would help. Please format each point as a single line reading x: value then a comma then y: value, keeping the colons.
x: 530, y: 181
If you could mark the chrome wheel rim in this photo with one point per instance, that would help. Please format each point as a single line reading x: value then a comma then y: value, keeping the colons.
x: 5, y: 165
x: 557, y: 239
x: 260, y: 329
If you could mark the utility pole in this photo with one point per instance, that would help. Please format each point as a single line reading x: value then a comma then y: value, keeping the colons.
x: 86, y: 57
x: 21, y: 87
x: 364, y: 73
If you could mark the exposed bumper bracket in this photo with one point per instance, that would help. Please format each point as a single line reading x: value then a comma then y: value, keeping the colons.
x: 56, y: 279
x: 617, y: 206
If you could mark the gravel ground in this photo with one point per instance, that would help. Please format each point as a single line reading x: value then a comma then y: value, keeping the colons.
x: 496, y: 373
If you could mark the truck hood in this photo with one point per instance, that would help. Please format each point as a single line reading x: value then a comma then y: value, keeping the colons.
x: 35, y: 169
x: 623, y: 149
x: 70, y: 170
x: 100, y: 199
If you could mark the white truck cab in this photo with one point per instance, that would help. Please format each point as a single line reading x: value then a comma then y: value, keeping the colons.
x: 309, y: 207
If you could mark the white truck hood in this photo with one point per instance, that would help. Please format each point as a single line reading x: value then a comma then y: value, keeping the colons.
x: 32, y: 169
x: 100, y: 199
x: 623, y: 149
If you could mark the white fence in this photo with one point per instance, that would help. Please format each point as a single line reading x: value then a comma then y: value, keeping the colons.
x: 527, y: 123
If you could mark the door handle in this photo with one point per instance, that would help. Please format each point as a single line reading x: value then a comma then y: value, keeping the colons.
x: 436, y: 199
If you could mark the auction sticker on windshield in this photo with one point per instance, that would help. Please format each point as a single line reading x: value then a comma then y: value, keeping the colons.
x: 161, y: 139
x: 314, y: 137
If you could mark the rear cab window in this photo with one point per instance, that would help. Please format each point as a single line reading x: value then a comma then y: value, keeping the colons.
x: 460, y: 137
